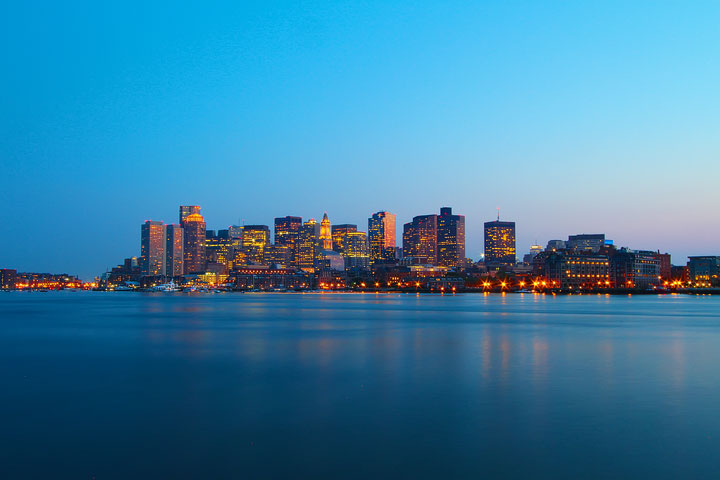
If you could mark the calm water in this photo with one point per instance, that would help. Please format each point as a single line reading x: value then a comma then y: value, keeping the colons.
x: 124, y: 385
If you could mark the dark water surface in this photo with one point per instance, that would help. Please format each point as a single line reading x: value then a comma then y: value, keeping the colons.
x: 125, y: 385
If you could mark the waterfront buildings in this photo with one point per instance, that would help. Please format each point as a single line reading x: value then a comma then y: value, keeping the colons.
x: 325, y: 233
x: 194, y: 233
x: 570, y: 270
x: 152, y: 248
x: 174, y: 243
x: 704, y: 269
x: 634, y: 269
x: 381, y: 236
x: 500, y: 243
x: 8, y: 278
x: 451, y: 239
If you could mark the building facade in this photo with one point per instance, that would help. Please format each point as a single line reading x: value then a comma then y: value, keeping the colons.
x: 356, y: 251
x: 420, y: 240
x: 634, y: 269
x: 307, y: 248
x: 500, y: 243
x: 338, y: 235
x: 194, y: 253
x: 705, y: 269
x: 187, y: 210
x: 325, y: 233
x: 256, y: 238
x: 450, y: 239
x: 586, y: 242
x: 174, y: 245
x: 152, y: 248
x: 287, y: 230
x: 381, y: 236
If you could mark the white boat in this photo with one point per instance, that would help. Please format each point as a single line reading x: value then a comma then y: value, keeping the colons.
x: 166, y: 287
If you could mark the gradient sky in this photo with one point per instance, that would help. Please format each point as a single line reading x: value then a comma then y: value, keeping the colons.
x: 571, y: 116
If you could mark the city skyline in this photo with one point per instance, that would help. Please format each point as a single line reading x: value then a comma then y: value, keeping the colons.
x: 571, y: 117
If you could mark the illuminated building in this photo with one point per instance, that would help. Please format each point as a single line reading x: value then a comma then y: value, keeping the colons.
x: 174, y: 243
x: 381, y: 235
x: 194, y: 246
x: 665, y: 265
x: 586, y: 242
x: 325, y: 233
x: 8, y: 277
x: 307, y: 247
x: 287, y: 230
x: 570, y: 270
x: 255, y: 239
x: 420, y: 240
x: 266, y: 278
x: 704, y: 269
x: 356, y: 251
x: 338, y: 235
x: 235, y: 231
x: 186, y: 210
x: 451, y: 239
x: 220, y: 250
x: 152, y: 248
x: 500, y: 243
x: 278, y: 256
x: 634, y: 269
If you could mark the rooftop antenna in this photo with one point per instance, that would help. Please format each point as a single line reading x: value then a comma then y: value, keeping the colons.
x: 498, y: 217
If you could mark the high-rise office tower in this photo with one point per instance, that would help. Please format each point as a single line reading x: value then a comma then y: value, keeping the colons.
x: 186, y: 210
x: 287, y: 230
x: 194, y: 254
x: 325, y: 233
x: 420, y: 240
x: 152, y: 248
x: 256, y: 238
x: 586, y: 242
x: 338, y: 235
x: 356, y: 251
x: 381, y: 233
x: 450, y: 239
x: 500, y: 243
x: 235, y: 231
x: 307, y: 247
x: 174, y: 243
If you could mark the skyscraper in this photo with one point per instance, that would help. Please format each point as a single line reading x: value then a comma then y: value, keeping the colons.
x: 325, y: 233
x: 307, y: 247
x: 255, y: 239
x: 381, y: 232
x: 174, y: 244
x: 186, y: 210
x: 287, y: 230
x: 586, y: 242
x: 420, y: 240
x: 194, y: 243
x: 152, y: 248
x: 355, y: 250
x: 500, y: 243
x: 450, y: 239
x: 338, y: 235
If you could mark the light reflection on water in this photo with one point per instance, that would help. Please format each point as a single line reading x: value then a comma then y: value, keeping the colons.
x: 409, y: 385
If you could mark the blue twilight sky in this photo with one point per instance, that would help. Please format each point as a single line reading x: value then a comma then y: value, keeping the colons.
x: 571, y: 116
